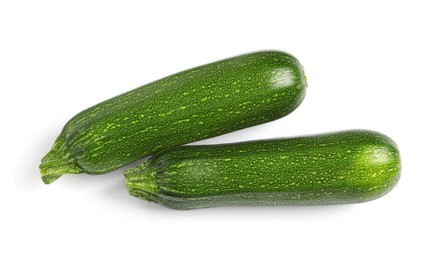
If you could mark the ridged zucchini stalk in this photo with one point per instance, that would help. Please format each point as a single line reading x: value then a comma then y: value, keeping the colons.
x: 188, y: 106
x: 334, y: 168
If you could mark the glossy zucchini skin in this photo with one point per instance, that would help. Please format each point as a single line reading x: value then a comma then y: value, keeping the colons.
x: 195, y: 104
x: 334, y: 168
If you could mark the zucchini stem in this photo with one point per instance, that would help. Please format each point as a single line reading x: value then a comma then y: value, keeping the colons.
x: 141, y: 182
x: 57, y: 162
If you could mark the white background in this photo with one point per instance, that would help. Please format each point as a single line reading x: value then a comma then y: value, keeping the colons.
x: 376, y: 65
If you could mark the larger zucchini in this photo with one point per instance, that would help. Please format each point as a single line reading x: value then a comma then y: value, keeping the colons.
x: 192, y: 105
x: 343, y: 167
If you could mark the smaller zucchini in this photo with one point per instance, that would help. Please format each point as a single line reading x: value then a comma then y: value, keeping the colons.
x: 334, y: 168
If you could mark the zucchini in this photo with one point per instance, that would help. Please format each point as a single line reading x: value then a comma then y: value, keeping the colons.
x: 334, y: 168
x: 195, y: 104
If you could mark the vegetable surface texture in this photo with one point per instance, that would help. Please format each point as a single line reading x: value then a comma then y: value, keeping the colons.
x: 195, y: 104
x: 334, y: 168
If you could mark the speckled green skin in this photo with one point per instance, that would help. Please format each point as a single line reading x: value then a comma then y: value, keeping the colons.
x: 188, y: 106
x: 335, y: 168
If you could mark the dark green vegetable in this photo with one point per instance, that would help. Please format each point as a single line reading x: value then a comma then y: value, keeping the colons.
x: 188, y: 106
x: 334, y: 168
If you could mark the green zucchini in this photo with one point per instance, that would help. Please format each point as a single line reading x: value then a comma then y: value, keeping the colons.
x: 334, y: 168
x: 195, y: 104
